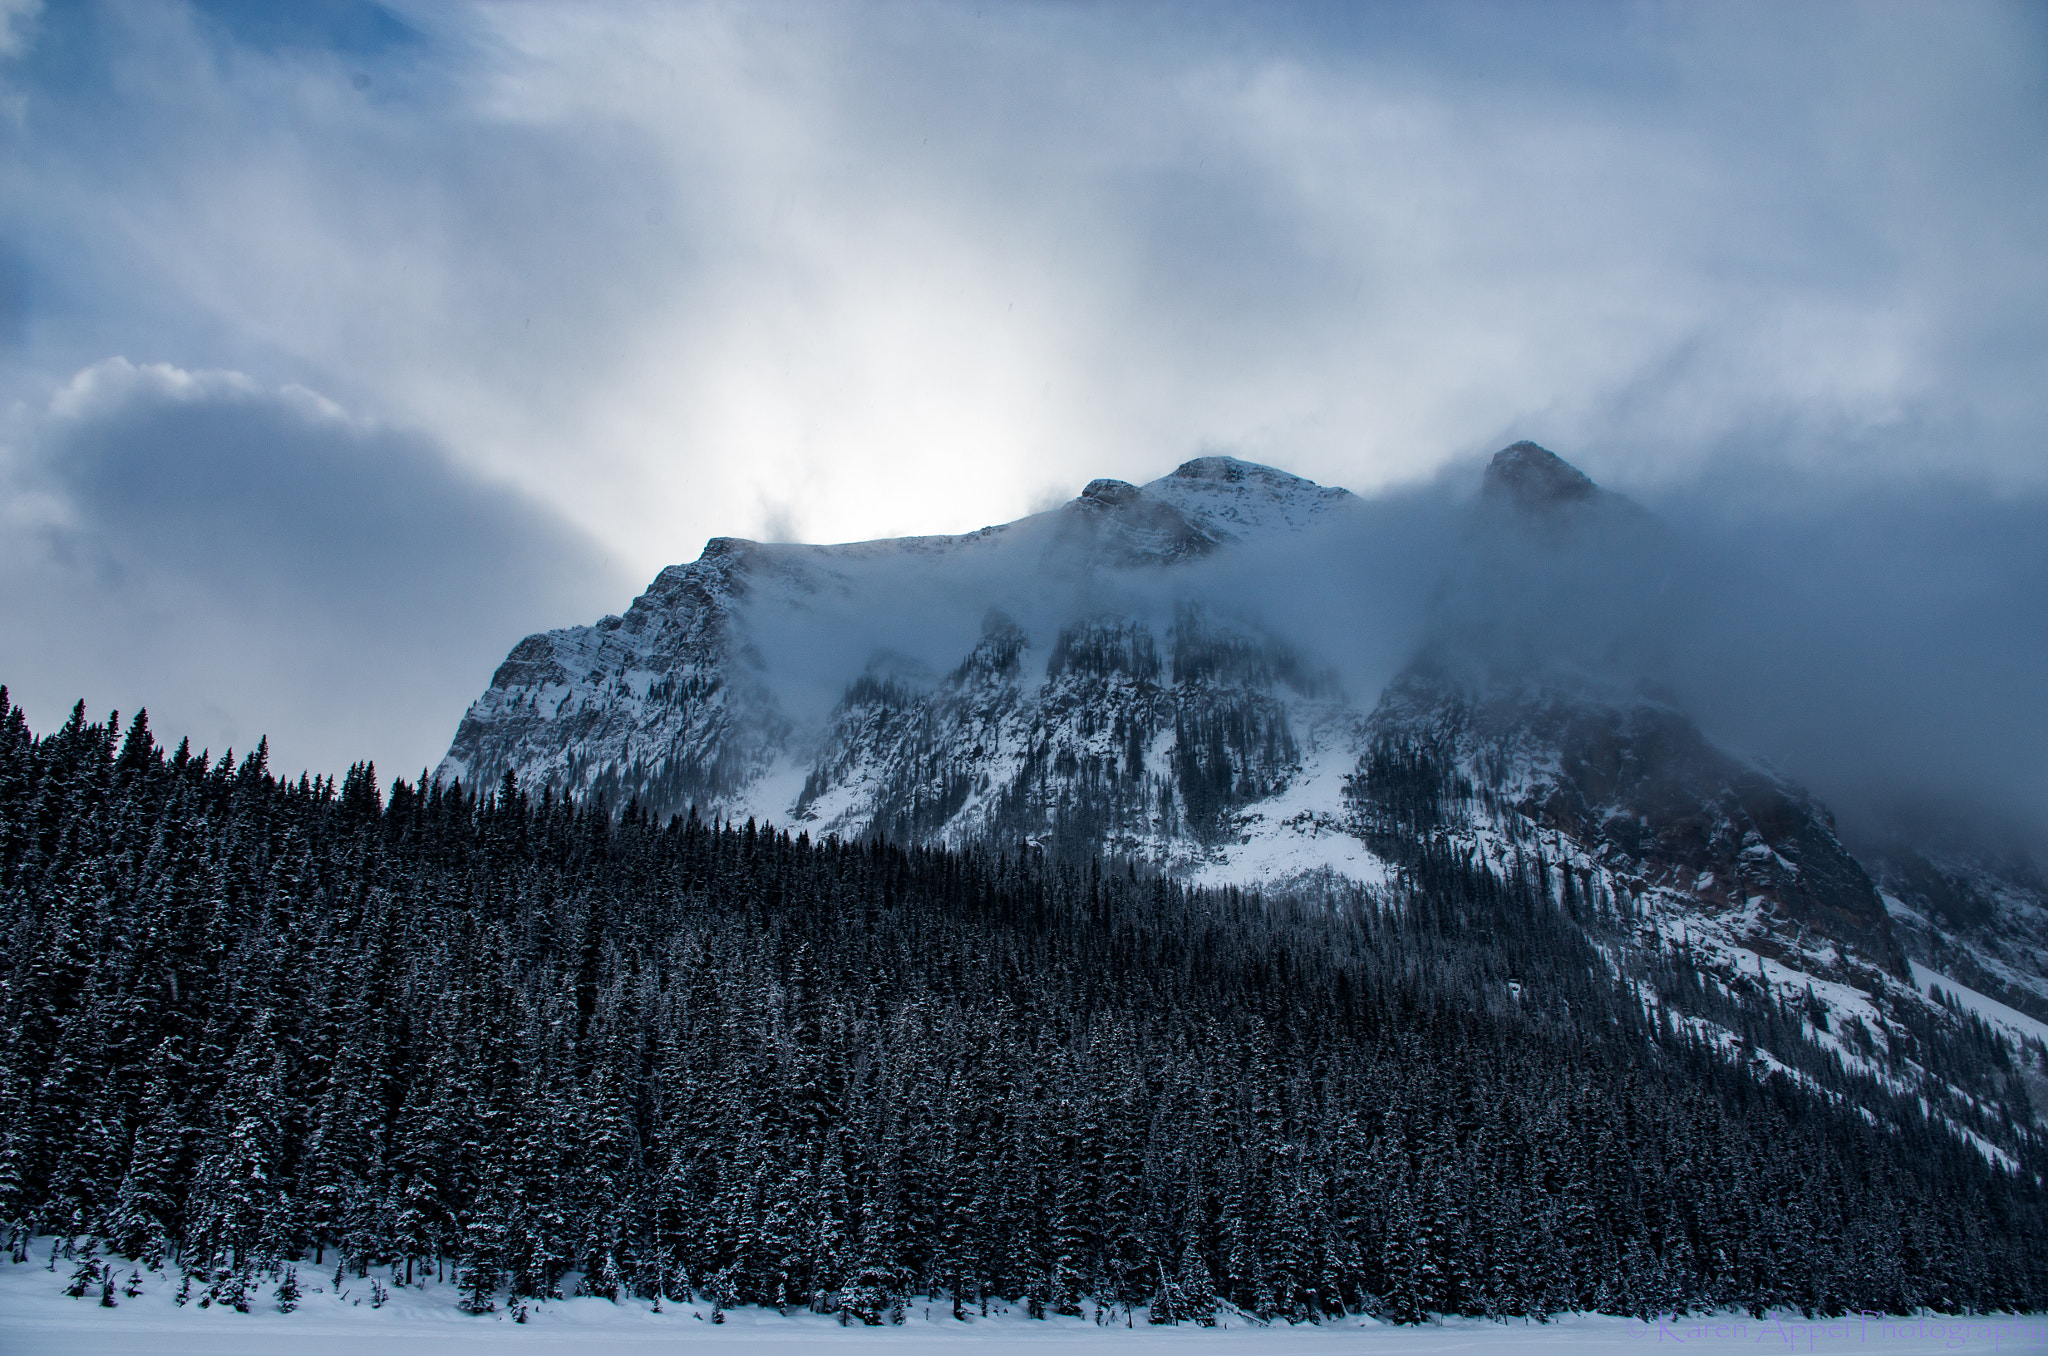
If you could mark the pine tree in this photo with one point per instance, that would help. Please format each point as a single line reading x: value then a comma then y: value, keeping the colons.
x: 1187, y: 1294
x: 146, y: 1211
x: 236, y: 1215
x: 482, y: 1250
x: 253, y: 1018
x: 87, y: 1275
x: 287, y: 1293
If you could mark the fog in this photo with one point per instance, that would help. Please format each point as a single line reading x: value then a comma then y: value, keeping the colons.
x: 1887, y: 647
x: 1351, y: 596
x: 1885, y: 644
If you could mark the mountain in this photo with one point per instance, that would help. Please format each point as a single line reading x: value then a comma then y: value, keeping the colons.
x: 1089, y: 701
x: 1108, y: 679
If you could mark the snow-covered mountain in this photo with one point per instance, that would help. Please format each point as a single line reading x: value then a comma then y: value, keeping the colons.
x: 1107, y: 678
x: 1068, y: 679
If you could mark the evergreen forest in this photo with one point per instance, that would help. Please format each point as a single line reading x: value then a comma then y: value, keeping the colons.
x: 256, y: 1026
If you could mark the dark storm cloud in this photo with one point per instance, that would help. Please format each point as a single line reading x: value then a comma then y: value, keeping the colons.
x: 273, y: 495
x: 205, y: 546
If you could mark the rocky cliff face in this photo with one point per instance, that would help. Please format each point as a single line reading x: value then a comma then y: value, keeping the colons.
x: 1101, y: 679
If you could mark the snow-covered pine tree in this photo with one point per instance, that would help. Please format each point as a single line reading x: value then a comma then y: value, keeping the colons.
x: 236, y: 1212
x: 146, y: 1213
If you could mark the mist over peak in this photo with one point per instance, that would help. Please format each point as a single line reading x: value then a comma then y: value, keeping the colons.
x: 1886, y: 645
x: 1530, y: 476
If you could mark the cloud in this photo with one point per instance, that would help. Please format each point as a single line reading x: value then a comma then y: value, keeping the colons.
x: 15, y: 18
x: 898, y: 269
x: 1885, y: 643
x: 249, y: 560
x: 687, y: 270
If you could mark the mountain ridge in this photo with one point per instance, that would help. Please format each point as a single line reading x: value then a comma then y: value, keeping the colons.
x: 1112, y: 689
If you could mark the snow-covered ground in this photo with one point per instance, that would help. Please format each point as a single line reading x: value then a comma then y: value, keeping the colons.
x: 36, y: 1317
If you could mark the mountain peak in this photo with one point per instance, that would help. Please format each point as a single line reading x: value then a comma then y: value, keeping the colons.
x: 1238, y: 497
x: 1530, y: 476
x: 1109, y: 493
x: 1223, y: 468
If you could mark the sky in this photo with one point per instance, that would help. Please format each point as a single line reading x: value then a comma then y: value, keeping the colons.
x: 342, y: 344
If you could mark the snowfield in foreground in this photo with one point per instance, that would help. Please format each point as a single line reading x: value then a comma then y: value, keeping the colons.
x: 37, y: 1317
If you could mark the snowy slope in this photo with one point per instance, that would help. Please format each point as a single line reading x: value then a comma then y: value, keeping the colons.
x: 1245, y: 499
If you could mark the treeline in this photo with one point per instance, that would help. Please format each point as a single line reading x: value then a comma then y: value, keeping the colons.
x: 534, y: 1045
